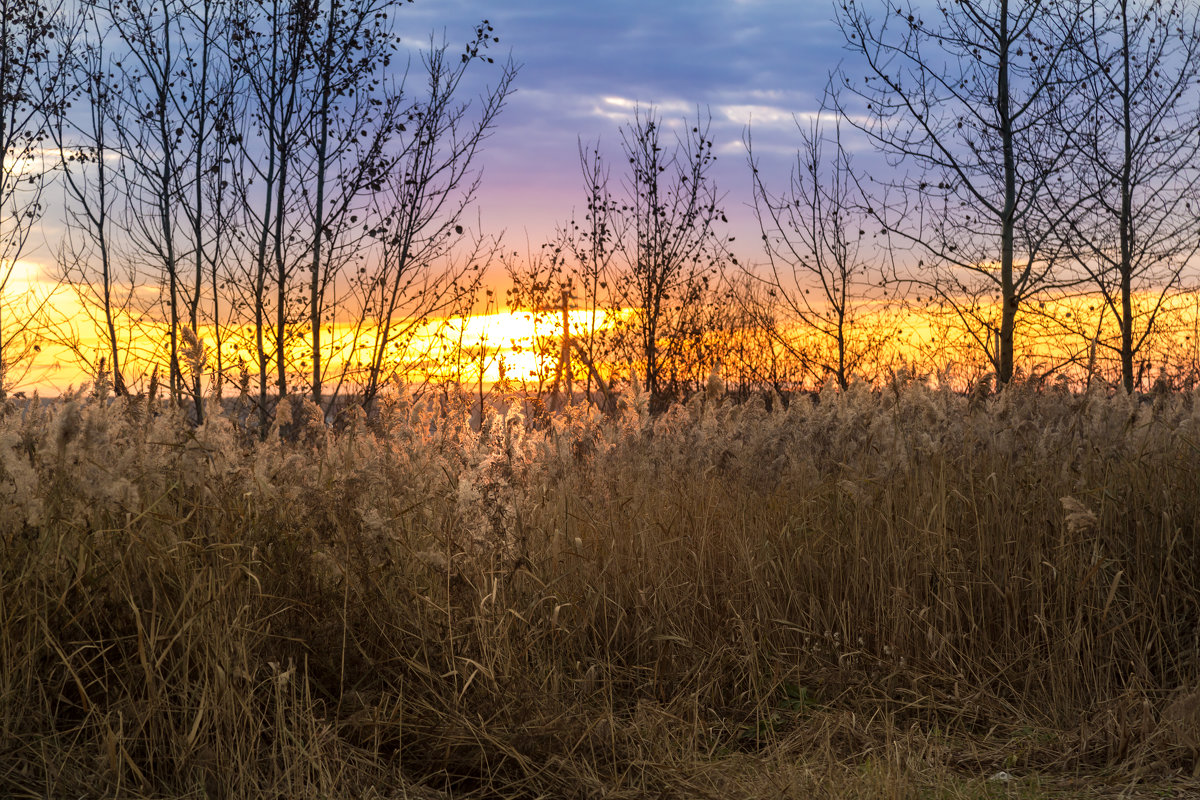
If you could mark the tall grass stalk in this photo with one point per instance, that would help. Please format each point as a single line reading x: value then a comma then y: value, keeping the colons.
x: 865, y: 593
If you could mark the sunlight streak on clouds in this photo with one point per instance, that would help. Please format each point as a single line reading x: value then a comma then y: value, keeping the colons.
x: 622, y: 109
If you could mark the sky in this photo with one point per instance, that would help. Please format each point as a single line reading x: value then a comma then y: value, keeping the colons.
x: 583, y: 69
x: 585, y: 65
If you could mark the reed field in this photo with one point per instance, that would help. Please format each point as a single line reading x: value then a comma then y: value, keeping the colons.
x: 898, y: 592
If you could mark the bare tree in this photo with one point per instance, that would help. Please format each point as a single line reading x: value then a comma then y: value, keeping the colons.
x: 206, y: 103
x: 1138, y: 162
x: 147, y: 127
x: 758, y: 348
x: 572, y: 272
x: 418, y: 216
x: 270, y: 55
x: 358, y: 113
x: 352, y: 186
x: 815, y: 235
x: 30, y: 77
x: 969, y: 107
x: 88, y: 258
x: 541, y: 286
x: 264, y: 163
x: 670, y: 254
x: 592, y: 245
x: 145, y: 156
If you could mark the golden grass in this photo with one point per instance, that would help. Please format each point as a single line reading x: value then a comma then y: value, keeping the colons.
x: 888, y: 594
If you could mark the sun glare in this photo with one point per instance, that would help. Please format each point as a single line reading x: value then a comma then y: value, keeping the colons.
x: 523, y: 349
x: 18, y: 276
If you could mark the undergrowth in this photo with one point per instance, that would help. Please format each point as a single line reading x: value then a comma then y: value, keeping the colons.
x: 897, y: 592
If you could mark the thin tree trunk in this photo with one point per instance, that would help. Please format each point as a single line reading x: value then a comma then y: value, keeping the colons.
x: 1008, y: 295
x: 1126, y: 222
x: 319, y: 216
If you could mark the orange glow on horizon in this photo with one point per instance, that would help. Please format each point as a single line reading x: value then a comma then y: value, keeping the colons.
x: 523, y: 348
x: 523, y: 345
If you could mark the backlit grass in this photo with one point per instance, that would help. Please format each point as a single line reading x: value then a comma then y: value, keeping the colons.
x: 894, y: 593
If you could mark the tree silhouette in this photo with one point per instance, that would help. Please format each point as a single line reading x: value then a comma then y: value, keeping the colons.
x: 973, y: 108
x: 31, y: 33
x: 670, y: 253
x: 418, y: 212
x: 1137, y: 163
x: 815, y: 236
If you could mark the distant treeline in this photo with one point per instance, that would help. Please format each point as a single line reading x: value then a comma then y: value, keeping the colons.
x: 271, y: 198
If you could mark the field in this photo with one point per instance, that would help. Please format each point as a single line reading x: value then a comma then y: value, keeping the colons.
x: 898, y: 592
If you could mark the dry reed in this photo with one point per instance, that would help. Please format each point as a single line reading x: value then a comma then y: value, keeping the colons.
x: 896, y: 593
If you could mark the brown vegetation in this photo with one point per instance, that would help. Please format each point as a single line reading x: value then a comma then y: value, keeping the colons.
x: 899, y: 593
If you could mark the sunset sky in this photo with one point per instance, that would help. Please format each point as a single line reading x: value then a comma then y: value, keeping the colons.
x: 585, y: 65
x: 758, y: 65
x: 584, y: 68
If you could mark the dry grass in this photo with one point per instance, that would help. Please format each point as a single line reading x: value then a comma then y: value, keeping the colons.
x: 872, y: 594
